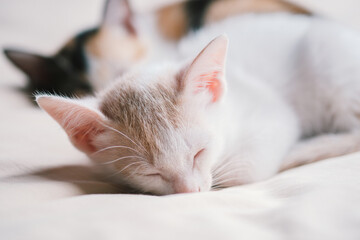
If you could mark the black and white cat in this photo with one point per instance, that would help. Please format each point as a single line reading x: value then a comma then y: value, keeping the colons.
x: 123, y: 40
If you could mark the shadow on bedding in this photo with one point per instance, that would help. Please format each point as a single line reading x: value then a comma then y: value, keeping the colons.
x: 82, y: 177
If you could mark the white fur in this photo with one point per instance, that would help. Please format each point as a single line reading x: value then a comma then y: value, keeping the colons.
x: 307, y: 60
x: 287, y: 77
x: 300, y: 69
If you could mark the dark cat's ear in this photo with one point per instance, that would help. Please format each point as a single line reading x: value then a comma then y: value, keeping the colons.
x: 118, y: 13
x: 33, y: 65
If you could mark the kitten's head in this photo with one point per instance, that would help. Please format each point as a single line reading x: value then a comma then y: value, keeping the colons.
x: 100, y: 53
x: 155, y: 133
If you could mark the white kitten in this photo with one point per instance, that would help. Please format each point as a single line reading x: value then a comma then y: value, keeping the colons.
x: 190, y: 127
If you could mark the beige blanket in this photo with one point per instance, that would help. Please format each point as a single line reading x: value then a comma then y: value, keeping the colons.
x: 49, y: 191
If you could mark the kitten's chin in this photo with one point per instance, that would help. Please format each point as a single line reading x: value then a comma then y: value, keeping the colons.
x: 159, y: 192
x: 195, y: 189
x: 207, y: 188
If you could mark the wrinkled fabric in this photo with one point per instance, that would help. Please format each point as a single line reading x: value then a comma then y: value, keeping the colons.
x: 48, y: 190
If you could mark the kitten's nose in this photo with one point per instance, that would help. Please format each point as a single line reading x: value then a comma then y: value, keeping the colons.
x: 184, y: 187
x: 187, y: 190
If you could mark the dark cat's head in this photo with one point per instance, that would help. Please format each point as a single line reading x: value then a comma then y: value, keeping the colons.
x: 63, y: 73
x: 91, y: 54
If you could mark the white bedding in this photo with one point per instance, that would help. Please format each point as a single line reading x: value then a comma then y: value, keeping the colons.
x: 49, y: 191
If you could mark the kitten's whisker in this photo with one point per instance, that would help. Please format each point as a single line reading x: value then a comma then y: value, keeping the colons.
x: 124, y: 135
x: 126, y: 167
x: 221, y: 183
x: 221, y: 178
x: 216, y: 188
x: 215, y: 179
x: 218, y: 170
x: 221, y: 165
x: 224, y: 174
x: 118, y: 159
x: 141, y: 165
x: 112, y: 147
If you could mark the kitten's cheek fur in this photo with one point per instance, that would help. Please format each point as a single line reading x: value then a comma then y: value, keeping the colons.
x: 207, y: 184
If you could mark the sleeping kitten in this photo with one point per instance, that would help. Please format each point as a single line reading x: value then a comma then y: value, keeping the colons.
x: 96, y: 56
x: 208, y: 123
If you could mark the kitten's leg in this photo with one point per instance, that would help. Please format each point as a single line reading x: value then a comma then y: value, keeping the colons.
x: 320, y: 148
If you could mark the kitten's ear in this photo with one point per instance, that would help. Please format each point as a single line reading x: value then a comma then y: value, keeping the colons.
x: 80, y: 122
x: 118, y: 13
x: 206, y: 73
x: 34, y: 65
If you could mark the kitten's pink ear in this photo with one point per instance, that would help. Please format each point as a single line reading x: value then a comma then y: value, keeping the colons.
x: 207, y: 71
x: 118, y: 13
x: 80, y: 123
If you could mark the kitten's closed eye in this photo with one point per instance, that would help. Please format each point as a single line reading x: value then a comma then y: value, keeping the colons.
x: 197, y: 155
x: 153, y: 175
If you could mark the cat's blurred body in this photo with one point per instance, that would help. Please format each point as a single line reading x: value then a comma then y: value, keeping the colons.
x: 123, y: 40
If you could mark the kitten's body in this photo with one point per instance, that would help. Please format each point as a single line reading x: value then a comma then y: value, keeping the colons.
x: 313, y: 58
x: 313, y: 66
x: 93, y: 58
x: 186, y: 128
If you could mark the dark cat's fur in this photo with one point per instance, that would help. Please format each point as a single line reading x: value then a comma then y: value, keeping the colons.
x: 63, y: 73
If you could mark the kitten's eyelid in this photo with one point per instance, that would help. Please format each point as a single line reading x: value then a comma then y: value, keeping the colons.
x: 199, y: 152
x: 157, y: 175
x: 197, y: 155
x: 153, y: 175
